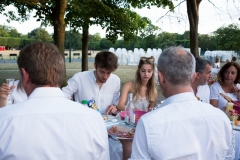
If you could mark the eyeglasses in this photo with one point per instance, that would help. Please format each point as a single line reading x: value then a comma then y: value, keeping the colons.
x: 147, y: 58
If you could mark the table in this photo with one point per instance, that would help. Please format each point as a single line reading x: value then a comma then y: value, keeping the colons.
x: 236, y: 132
x: 115, y: 146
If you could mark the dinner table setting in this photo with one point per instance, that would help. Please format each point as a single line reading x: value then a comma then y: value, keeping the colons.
x: 119, y: 131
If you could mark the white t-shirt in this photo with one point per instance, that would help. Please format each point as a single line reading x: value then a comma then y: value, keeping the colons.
x: 16, y: 95
x: 217, y: 65
x: 84, y: 87
x: 215, y: 90
x: 203, y: 92
x: 49, y: 126
x: 183, y: 128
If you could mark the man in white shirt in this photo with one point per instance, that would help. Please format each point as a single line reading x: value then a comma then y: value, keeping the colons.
x: 47, y: 125
x: 100, y: 84
x: 200, y: 86
x: 183, y: 127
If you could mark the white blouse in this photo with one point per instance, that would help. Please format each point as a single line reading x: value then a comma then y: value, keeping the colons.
x: 216, y: 89
x: 141, y: 103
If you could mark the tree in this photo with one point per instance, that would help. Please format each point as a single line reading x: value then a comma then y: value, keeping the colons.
x: 40, y: 35
x: 228, y: 38
x: 118, y: 20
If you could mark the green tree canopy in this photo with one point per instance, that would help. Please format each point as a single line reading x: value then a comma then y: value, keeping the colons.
x: 40, y: 35
x: 228, y: 38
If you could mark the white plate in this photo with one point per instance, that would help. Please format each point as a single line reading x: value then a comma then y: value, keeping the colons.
x: 122, y: 128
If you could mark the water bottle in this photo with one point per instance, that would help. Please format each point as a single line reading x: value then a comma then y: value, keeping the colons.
x: 129, y: 115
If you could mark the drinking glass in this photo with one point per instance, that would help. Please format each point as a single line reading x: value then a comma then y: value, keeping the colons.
x: 10, y: 82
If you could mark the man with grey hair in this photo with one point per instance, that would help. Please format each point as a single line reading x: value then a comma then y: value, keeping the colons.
x: 183, y: 127
x: 200, y: 84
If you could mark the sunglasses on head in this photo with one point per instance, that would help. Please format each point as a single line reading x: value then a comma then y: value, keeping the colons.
x: 147, y: 58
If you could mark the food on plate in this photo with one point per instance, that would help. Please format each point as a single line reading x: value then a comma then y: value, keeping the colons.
x: 122, y: 132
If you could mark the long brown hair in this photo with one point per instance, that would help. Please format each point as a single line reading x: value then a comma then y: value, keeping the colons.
x: 137, y: 83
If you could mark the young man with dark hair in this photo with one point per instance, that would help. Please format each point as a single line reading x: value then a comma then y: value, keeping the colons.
x: 99, y: 84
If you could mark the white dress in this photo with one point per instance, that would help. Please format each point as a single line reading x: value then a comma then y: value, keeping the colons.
x: 217, y: 65
x: 215, y: 90
x: 141, y: 103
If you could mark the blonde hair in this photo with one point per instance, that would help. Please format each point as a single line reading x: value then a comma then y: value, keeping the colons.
x: 137, y: 83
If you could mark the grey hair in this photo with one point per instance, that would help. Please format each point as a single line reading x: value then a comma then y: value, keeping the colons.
x: 201, y: 64
x: 177, y: 65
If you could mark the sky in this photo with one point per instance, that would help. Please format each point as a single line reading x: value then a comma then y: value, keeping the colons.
x: 211, y: 17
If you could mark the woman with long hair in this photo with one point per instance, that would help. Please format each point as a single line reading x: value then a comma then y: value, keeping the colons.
x: 228, y: 84
x: 143, y: 87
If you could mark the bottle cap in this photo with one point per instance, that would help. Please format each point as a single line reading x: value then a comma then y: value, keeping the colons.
x: 85, y: 102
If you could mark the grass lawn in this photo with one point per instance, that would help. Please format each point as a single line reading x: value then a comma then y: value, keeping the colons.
x: 125, y: 73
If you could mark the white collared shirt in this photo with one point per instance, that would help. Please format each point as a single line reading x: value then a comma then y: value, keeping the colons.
x: 49, y: 126
x: 203, y: 92
x: 16, y: 95
x: 183, y: 128
x: 84, y: 87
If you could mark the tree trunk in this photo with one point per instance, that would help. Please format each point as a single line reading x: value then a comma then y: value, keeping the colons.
x: 59, y: 27
x: 85, y: 48
x: 193, y: 17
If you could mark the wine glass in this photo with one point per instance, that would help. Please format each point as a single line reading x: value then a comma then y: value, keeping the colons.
x: 10, y: 82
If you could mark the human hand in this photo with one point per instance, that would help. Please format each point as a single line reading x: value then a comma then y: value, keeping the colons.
x: 236, y: 91
x: 4, y: 90
x: 111, y: 109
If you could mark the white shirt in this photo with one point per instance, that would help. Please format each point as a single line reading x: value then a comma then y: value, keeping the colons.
x: 215, y: 90
x: 183, y: 129
x: 84, y: 87
x: 16, y: 95
x: 49, y: 126
x: 203, y: 92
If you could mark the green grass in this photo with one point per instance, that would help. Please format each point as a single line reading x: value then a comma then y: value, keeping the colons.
x: 125, y: 73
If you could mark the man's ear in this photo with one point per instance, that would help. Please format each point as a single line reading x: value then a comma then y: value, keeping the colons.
x: 25, y: 76
x: 195, y: 75
x: 161, y: 78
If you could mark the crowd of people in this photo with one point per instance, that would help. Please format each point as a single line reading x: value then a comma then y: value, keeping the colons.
x: 40, y: 117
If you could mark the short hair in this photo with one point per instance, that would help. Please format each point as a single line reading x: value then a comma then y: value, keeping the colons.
x: 220, y: 74
x: 201, y: 64
x: 107, y: 60
x: 177, y: 65
x: 234, y: 59
x: 44, y: 64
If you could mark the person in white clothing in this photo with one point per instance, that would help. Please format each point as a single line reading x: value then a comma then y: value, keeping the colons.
x: 200, y: 84
x: 228, y: 84
x: 47, y: 125
x: 142, y: 87
x: 183, y: 127
x: 12, y: 95
x: 100, y: 84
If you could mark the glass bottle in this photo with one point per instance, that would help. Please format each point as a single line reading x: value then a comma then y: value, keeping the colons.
x: 129, y: 115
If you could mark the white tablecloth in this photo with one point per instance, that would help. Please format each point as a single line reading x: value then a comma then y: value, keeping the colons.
x: 237, y: 143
